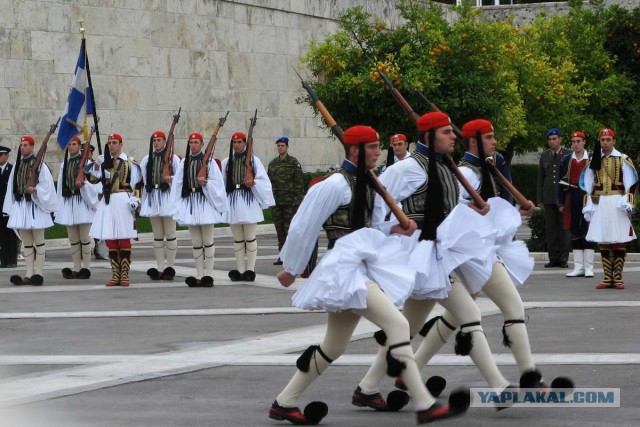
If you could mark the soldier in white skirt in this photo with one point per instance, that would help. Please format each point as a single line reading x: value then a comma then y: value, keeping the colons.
x: 512, y: 264
x: 610, y: 180
x: 199, y: 204
x: 29, y: 210
x: 77, y: 209
x: 428, y: 191
x: 155, y: 205
x: 246, y: 202
x: 342, y: 204
x: 115, y: 217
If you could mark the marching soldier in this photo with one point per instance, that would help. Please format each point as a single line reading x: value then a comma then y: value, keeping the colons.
x: 29, y: 210
x: 285, y: 174
x: 115, y: 216
x: 611, y: 181
x: 77, y: 209
x: 155, y: 205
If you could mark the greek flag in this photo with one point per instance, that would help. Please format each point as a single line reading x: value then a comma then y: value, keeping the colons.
x: 78, y: 103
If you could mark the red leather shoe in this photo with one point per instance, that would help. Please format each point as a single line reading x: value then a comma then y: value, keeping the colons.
x: 604, y: 286
x: 375, y: 400
x: 619, y: 285
x: 111, y: 284
x: 437, y: 411
x: 293, y: 415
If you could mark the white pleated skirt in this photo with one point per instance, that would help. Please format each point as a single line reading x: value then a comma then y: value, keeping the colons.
x: 155, y: 203
x: 115, y: 220
x: 26, y: 215
x: 73, y: 211
x: 339, y: 281
x: 243, y: 209
x: 609, y: 224
x: 196, y: 209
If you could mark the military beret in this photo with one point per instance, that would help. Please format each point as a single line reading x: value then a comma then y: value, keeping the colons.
x: 29, y: 139
x: 158, y: 134
x: 283, y: 139
x: 433, y: 120
x: 115, y: 136
x: 474, y: 126
x: 553, y: 131
x: 360, y: 135
x: 578, y: 135
x: 196, y: 135
x: 606, y: 132
x: 77, y: 139
x: 398, y: 137
x: 4, y: 149
x: 238, y: 135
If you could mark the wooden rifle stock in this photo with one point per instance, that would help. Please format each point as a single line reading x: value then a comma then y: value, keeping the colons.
x: 248, y: 171
x: 211, y: 146
x: 517, y: 195
x: 83, y: 160
x: 167, y: 168
x: 402, y: 217
x: 35, y: 168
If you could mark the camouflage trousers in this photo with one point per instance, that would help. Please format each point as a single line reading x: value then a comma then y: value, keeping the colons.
x: 282, y: 216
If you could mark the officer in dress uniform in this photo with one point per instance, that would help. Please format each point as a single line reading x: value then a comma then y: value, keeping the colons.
x: 285, y: 174
x: 156, y: 206
x: 8, y: 238
x: 114, y: 222
x: 29, y: 210
x: 611, y: 181
x: 547, y: 197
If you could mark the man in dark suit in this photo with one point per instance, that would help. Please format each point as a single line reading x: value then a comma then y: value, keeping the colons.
x: 547, y: 197
x: 8, y: 239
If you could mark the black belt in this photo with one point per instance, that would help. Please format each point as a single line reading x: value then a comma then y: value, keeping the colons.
x: 67, y: 193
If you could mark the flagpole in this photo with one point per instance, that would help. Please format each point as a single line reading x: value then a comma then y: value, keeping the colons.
x: 91, y: 95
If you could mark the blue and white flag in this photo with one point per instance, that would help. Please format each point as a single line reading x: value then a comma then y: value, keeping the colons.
x: 78, y: 103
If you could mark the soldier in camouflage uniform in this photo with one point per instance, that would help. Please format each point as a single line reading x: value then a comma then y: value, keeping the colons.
x: 285, y: 174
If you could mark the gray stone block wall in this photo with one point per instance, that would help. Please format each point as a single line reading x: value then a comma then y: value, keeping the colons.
x: 148, y: 57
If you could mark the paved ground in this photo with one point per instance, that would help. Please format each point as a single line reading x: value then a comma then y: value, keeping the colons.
x: 74, y: 353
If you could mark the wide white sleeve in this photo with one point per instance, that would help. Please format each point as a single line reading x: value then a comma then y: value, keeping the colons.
x: 45, y: 196
x: 143, y: 167
x: 473, y: 178
x: 629, y: 176
x: 322, y: 200
x: 136, y: 174
x: 8, y: 198
x: 214, y: 191
x: 401, y: 180
x: 586, y: 180
x: 176, y: 187
x: 59, y: 183
x: 262, y: 191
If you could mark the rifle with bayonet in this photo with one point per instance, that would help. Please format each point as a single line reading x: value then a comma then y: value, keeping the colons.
x: 337, y: 131
x: 248, y: 171
x: 211, y: 146
x: 35, y: 168
x: 517, y: 195
x: 167, y: 168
